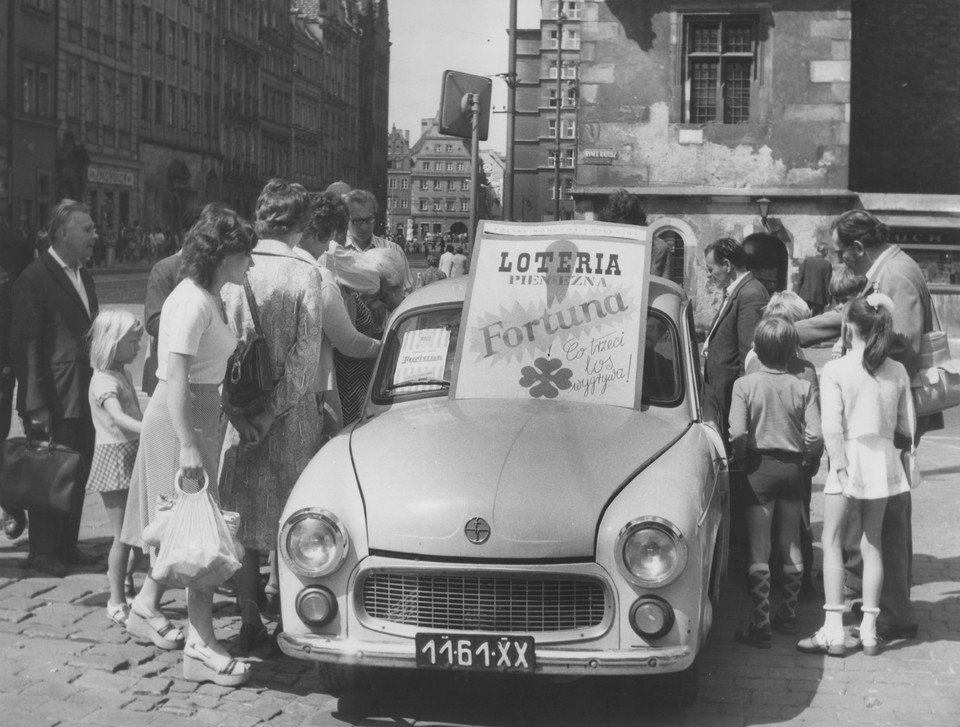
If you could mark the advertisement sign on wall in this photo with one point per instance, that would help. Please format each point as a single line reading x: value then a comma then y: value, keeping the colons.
x: 555, y: 311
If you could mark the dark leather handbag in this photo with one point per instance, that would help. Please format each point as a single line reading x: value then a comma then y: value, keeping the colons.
x: 249, y: 375
x: 38, y: 475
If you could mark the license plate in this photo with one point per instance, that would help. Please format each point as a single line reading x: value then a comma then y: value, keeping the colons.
x: 478, y: 653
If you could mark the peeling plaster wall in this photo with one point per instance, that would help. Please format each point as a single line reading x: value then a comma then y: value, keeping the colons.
x: 631, y: 99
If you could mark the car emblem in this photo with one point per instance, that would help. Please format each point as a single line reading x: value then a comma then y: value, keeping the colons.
x: 477, y: 530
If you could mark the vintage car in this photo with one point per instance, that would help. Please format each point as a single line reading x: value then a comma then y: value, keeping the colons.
x: 513, y: 536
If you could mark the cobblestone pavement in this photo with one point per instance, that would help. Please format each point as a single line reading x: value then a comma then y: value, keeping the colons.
x: 63, y: 663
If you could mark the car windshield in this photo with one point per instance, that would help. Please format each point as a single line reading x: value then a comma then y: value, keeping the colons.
x: 420, y: 350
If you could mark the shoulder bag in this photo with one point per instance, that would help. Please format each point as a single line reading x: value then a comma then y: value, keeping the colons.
x: 38, y: 475
x: 936, y: 386
x: 249, y: 375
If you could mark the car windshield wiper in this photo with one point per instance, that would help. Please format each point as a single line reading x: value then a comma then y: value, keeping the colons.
x: 418, y: 382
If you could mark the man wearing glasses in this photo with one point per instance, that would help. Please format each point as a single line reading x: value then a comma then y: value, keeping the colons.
x: 362, y: 206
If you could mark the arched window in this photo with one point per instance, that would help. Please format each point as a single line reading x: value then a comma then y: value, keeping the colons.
x: 680, y: 237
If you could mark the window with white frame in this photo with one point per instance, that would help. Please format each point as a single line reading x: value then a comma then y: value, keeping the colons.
x: 571, y: 8
x: 404, y: 183
x: 464, y: 205
x: 566, y: 157
x: 461, y: 166
x: 423, y: 205
x: 424, y: 184
x: 569, y: 69
x: 720, y: 60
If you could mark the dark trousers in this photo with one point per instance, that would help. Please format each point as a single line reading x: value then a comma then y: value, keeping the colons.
x: 56, y: 534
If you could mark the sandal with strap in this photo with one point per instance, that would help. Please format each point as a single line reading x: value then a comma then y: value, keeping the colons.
x: 201, y: 664
x: 821, y: 643
x: 154, y: 629
x: 118, y: 613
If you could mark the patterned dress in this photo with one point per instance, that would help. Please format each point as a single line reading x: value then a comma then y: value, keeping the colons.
x: 257, y: 481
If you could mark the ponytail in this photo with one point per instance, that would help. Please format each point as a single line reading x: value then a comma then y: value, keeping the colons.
x: 873, y: 319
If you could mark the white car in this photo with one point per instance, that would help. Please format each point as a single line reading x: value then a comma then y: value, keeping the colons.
x: 513, y: 536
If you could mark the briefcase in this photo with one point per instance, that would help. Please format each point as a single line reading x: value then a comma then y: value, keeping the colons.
x: 38, y: 475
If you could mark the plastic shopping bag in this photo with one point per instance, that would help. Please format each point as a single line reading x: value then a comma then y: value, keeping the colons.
x: 197, y: 549
x: 153, y: 533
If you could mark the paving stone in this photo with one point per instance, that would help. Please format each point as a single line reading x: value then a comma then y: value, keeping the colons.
x: 106, y: 682
x: 35, y: 630
x: 213, y: 716
x: 31, y: 587
x: 104, y: 662
x: 153, y: 686
x: 68, y: 591
x: 144, y: 704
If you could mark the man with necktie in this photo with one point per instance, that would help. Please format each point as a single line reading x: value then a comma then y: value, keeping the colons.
x: 731, y: 335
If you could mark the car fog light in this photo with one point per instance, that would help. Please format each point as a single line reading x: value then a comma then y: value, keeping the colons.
x: 651, y: 617
x: 313, y: 543
x: 316, y: 606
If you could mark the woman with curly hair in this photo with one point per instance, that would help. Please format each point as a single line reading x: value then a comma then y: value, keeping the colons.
x: 180, y: 432
x: 261, y: 467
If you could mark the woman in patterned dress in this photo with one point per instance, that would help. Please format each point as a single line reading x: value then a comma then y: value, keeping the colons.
x: 256, y: 477
x: 181, y: 428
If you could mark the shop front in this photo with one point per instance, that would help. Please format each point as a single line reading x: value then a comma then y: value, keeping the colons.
x: 110, y: 195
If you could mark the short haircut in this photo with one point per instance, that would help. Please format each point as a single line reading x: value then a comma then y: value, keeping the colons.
x: 776, y: 341
x: 328, y: 215
x: 787, y: 305
x: 361, y: 196
x: 219, y: 232
x: 282, y: 208
x: 389, y: 264
x: 62, y: 214
x: 625, y: 208
x: 106, y: 331
x: 821, y: 247
x: 859, y: 226
x: 845, y: 284
x: 726, y: 248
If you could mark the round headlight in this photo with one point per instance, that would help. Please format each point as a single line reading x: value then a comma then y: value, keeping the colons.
x: 316, y: 606
x: 651, y: 617
x: 651, y: 552
x: 313, y: 543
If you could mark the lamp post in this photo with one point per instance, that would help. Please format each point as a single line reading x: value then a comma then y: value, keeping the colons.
x: 511, y: 79
x: 561, y: 18
x: 763, y: 207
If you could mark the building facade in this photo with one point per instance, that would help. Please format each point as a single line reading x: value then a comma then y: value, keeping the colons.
x: 548, y: 59
x: 399, y: 223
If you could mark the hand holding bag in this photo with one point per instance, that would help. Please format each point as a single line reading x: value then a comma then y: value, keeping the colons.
x: 249, y: 375
x: 38, y: 475
x: 197, y: 549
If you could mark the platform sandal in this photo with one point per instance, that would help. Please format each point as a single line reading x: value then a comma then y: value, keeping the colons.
x: 201, y: 664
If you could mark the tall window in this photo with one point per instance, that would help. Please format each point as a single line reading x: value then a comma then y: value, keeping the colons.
x: 720, y: 59
x: 35, y: 89
x: 73, y: 93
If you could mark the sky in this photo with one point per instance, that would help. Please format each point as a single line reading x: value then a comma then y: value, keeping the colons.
x: 429, y: 37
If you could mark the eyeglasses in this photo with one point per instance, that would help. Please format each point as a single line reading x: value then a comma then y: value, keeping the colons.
x: 361, y: 220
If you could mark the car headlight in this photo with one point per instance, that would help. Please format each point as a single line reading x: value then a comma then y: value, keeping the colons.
x: 313, y: 542
x: 651, y: 552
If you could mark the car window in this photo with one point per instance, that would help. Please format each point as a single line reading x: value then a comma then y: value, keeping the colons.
x: 420, y: 349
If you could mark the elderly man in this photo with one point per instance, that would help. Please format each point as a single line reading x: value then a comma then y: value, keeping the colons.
x: 362, y: 206
x: 862, y: 243
x: 54, y: 302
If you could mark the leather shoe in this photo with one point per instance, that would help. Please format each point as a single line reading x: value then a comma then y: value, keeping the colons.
x: 75, y: 556
x: 45, y: 564
x: 889, y: 632
x: 14, y: 523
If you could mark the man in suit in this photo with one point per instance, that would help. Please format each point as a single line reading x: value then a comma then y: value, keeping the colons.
x: 731, y: 335
x: 861, y: 241
x: 54, y: 302
x: 813, y: 280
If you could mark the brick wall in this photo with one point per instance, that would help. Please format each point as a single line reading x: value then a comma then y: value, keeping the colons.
x: 905, y: 97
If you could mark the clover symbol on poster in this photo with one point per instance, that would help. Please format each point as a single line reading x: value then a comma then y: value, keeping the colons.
x: 548, y: 381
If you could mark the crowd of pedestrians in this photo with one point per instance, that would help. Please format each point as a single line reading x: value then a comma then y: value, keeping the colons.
x: 309, y: 274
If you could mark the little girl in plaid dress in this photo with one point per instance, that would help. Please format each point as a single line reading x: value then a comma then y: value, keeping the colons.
x: 114, y: 342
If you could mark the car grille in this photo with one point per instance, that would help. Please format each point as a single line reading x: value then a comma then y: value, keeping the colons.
x: 484, y: 603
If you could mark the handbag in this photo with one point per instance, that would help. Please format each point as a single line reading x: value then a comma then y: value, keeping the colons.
x: 249, y: 375
x: 936, y: 386
x: 197, y: 549
x: 38, y: 475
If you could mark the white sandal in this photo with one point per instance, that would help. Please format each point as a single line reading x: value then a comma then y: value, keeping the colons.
x: 118, y: 613
x: 202, y: 664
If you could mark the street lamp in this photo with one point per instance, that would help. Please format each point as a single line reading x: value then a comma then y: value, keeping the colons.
x: 561, y: 19
x: 763, y: 207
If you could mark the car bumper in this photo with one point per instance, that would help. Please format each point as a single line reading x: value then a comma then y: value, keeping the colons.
x: 550, y: 659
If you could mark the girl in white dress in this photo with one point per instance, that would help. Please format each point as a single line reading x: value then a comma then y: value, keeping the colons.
x: 865, y: 398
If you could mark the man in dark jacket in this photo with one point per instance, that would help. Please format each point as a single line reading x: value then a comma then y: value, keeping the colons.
x: 813, y: 280
x: 54, y: 302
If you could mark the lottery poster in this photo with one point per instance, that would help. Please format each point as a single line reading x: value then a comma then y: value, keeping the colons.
x: 555, y: 311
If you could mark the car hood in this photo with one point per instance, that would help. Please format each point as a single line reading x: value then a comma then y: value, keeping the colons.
x: 539, y: 473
